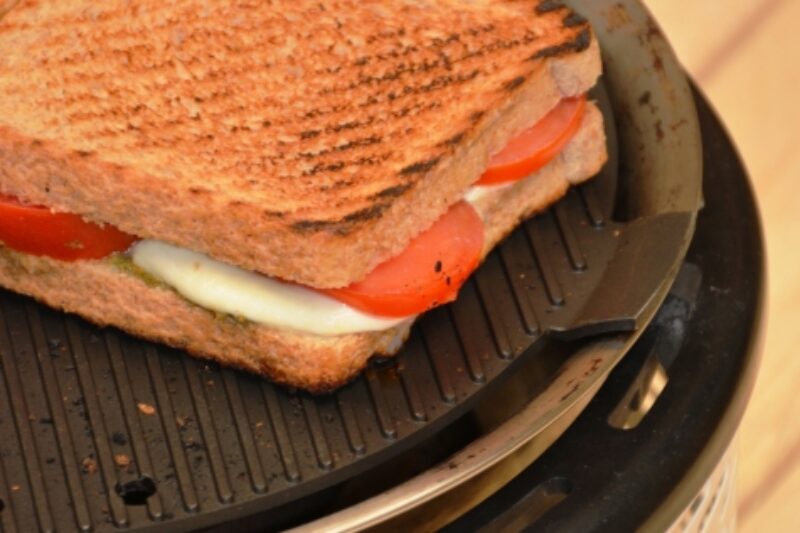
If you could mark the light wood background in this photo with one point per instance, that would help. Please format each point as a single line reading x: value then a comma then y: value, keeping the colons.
x: 745, y: 54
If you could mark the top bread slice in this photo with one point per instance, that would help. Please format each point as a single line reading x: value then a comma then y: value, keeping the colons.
x: 305, y: 140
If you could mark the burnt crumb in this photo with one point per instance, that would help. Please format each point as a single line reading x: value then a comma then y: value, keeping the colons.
x: 573, y: 19
x: 546, y: 6
x: 146, y: 409
x: 119, y: 438
x: 309, y: 134
x: 84, y: 153
x: 136, y: 491
x: 510, y: 85
x: 36, y: 143
x: 45, y: 420
x: 122, y: 460
x: 437, y: 267
x: 89, y: 466
x: 580, y: 43
x: 420, y: 167
x: 644, y: 99
x: 198, y: 190
x: 391, y: 192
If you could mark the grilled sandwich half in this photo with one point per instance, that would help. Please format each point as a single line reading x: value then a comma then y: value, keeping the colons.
x: 262, y: 155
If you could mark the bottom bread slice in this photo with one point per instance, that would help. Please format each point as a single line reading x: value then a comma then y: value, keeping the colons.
x: 106, y: 294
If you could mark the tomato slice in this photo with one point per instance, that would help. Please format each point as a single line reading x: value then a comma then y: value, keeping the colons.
x: 36, y: 230
x: 536, y: 146
x: 429, y: 272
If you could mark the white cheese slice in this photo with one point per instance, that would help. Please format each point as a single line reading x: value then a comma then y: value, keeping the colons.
x: 475, y: 193
x: 228, y: 289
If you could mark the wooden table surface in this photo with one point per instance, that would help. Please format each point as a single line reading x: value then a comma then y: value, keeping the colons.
x: 746, y: 58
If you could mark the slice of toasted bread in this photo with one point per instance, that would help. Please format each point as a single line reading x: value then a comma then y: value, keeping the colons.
x: 105, y: 294
x: 307, y: 140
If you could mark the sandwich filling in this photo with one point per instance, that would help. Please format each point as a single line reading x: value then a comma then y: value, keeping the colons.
x: 428, y: 273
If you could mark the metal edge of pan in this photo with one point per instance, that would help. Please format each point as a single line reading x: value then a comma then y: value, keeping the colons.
x: 661, y: 170
x: 723, y: 439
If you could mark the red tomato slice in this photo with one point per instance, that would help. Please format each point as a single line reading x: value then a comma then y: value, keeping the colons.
x: 38, y: 231
x: 427, y: 273
x: 536, y: 146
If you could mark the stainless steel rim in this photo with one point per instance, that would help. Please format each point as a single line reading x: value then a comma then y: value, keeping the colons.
x: 526, y: 435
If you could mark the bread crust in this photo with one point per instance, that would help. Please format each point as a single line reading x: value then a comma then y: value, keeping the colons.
x: 311, y: 362
x: 190, y: 142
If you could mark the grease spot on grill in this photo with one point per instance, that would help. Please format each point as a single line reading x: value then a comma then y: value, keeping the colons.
x: 119, y: 438
x: 136, y: 491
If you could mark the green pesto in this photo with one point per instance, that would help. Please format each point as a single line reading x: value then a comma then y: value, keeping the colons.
x: 227, y: 317
x: 124, y: 263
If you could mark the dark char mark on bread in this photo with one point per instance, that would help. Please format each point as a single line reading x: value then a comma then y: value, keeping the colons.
x: 297, y: 140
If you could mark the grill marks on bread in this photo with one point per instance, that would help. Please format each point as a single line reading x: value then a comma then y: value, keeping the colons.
x: 295, y: 138
x: 303, y: 118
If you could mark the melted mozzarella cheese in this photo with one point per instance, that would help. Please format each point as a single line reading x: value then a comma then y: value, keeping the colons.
x: 475, y: 193
x: 228, y: 289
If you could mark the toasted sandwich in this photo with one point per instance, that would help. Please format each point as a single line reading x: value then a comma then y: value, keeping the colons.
x: 281, y: 186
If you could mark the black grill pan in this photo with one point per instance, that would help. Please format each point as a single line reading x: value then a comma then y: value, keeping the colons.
x: 102, y: 431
